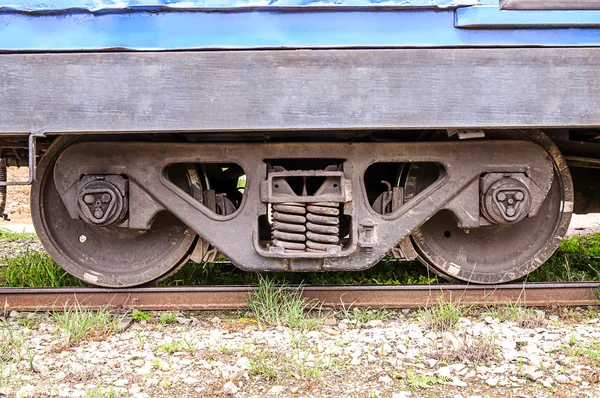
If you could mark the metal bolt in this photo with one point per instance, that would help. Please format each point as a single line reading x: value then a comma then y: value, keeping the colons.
x: 82, y: 238
x: 106, y: 198
x: 501, y: 196
x: 510, y: 211
x: 519, y: 196
x: 511, y: 201
x: 98, y: 213
x: 88, y: 199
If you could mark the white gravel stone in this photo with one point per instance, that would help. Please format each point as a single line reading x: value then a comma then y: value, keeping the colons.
x: 492, y: 381
x: 458, y: 382
x: 230, y: 388
x: 243, y: 363
x: 276, y: 390
x: 385, y: 379
x: 375, y: 323
x: 561, y: 379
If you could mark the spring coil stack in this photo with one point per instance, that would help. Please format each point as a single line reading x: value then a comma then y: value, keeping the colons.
x: 308, y: 227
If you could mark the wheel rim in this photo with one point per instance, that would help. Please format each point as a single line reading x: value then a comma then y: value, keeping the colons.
x: 500, y: 253
x: 111, y: 257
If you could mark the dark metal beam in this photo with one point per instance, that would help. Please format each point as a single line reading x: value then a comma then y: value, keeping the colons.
x: 303, y: 89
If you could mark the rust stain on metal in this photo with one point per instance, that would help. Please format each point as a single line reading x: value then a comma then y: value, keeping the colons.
x: 236, y: 297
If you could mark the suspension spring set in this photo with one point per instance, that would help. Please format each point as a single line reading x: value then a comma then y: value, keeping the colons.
x: 309, y: 227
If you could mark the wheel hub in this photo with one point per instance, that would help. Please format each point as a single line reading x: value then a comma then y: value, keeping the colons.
x: 506, y: 201
x: 103, y: 200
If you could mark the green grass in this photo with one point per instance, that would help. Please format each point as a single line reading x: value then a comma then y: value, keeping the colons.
x: 274, y: 305
x: 577, y: 259
x: 300, y: 363
x: 14, y: 348
x: 35, y: 269
x: 101, y: 392
x: 10, y: 236
x: 138, y: 315
x: 443, y: 316
x: 168, y: 319
x: 77, y: 323
x: 409, y: 378
x: 524, y: 317
x: 387, y: 272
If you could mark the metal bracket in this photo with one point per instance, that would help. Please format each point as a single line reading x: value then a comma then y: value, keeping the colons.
x: 276, y: 190
x: 31, y: 163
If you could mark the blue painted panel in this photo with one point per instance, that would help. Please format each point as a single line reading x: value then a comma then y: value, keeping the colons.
x: 264, y: 29
x: 488, y: 17
x: 100, y: 6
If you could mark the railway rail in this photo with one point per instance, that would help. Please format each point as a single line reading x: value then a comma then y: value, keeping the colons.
x: 236, y: 297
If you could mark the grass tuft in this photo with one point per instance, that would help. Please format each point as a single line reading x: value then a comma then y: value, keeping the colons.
x: 527, y: 318
x: 274, y: 305
x: 100, y: 392
x: 483, y: 349
x: 366, y: 315
x: 14, y: 348
x: 78, y: 323
x: 168, y: 319
x: 138, y: 315
x: 442, y: 317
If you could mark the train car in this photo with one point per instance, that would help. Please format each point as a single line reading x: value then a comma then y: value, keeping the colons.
x: 300, y: 135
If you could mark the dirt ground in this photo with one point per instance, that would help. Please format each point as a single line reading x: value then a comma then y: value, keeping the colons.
x: 17, y: 203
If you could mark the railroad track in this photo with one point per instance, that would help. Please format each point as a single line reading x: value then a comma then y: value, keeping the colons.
x: 236, y: 297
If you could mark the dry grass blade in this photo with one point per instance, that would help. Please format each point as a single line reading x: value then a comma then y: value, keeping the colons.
x: 475, y: 350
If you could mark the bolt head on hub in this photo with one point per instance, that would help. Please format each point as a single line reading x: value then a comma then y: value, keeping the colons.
x: 506, y: 201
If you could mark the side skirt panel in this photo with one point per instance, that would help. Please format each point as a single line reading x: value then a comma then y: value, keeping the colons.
x: 290, y: 90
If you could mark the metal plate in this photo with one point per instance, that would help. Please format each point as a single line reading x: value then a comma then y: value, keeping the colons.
x: 293, y: 90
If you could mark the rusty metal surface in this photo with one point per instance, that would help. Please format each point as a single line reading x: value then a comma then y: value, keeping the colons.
x: 236, y: 297
x: 371, y: 235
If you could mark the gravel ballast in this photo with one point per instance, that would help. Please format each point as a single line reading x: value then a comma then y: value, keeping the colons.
x: 228, y: 354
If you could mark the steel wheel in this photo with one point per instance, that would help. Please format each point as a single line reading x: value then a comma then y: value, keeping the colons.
x: 499, y: 253
x: 105, y: 256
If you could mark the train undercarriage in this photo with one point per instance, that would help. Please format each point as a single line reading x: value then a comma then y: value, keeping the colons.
x: 479, y: 206
x: 148, y: 160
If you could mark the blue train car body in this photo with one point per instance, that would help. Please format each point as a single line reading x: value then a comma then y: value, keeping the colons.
x: 216, y: 24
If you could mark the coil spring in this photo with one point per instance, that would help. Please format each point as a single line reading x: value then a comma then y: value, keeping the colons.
x: 323, y: 226
x: 289, y: 226
x: 312, y: 227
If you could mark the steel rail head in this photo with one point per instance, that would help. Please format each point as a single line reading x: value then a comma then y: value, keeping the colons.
x: 236, y: 297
